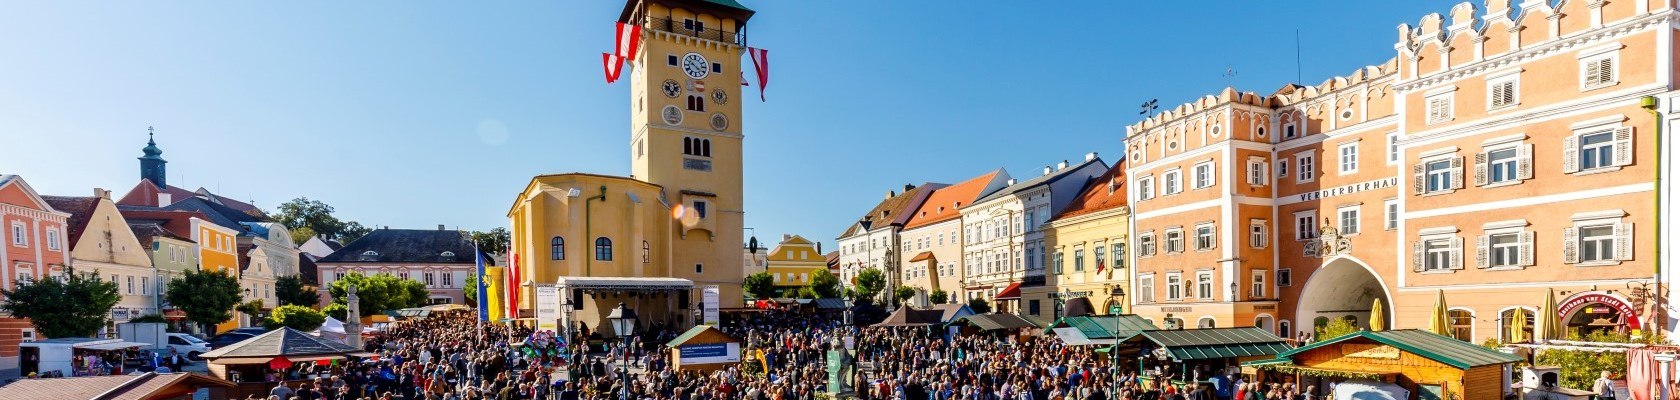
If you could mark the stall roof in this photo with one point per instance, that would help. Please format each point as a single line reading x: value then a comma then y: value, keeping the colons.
x: 1445, y: 350
x: 282, y: 342
x: 831, y: 304
x: 111, y: 345
x: 701, y: 334
x: 622, y: 283
x: 1103, y: 326
x: 119, y: 387
x: 906, y: 316
x: 1200, y: 344
x: 992, y: 322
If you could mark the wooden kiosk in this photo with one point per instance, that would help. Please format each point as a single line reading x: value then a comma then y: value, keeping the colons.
x: 704, y: 348
x: 1411, y: 363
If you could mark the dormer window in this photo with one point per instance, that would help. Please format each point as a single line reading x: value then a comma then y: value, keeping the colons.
x: 370, y: 255
x: 447, y: 254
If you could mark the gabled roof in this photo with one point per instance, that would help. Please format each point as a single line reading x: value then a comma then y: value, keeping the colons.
x: 8, y: 180
x: 906, y: 316
x: 1105, y: 326
x: 950, y: 312
x: 282, y: 342
x: 1442, y: 349
x: 148, y: 231
x: 406, y: 246
x: 992, y: 322
x: 895, y: 210
x: 177, y: 222
x: 216, y: 213
x: 701, y: 334
x: 80, y: 209
x: 1105, y: 192
x: 943, y: 204
x: 1200, y: 344
x: 145, y: 194
x: 1039, y: 180
x: 150, y: 385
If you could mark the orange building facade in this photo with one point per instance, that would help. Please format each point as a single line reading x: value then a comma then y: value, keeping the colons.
x: 34, y: 245
x: 1504, y: 151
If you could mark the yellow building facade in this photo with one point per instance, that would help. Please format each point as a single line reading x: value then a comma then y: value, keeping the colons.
x: 794, y: 261
x: 657, y: 239
x: 1087, y: 244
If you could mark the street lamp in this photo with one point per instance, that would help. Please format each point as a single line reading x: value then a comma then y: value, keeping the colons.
x: 623, y: 321
x: 1114, y: 352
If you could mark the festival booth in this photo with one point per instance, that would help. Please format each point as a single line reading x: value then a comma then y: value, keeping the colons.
x: 1098, y: 329
x: 62, y: 357
x: 250, y: 363
x: 704, y: 348
x: 1186, y: 354
x: 333, y: 329
x: 149, y: 386
x: 906, y: 317
x: 1392, y: 365
x: 1007, y: 325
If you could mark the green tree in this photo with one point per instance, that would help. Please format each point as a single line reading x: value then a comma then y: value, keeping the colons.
x: 1580, y: 368
x: 758, y: 285
x: 1336, y: 327
x: 296, y: 317
x: 307, y: 218
x: 807, y: 293
x: 471, y: 289
x: 352, y: 230
x: 904, y: 293
x: 494, y: 241
x: 380, y: 292
x: 824, y: 284
x: 939, y: 297
x: 336, y: 310
x: 206, y: 296
x: 253, y: 308
x: 979, y: 305
x: 869, y: 283
x: 291, y: 291
x: 77, y: 304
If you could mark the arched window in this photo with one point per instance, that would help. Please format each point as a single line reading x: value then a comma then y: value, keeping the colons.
x: 557, y: 248
x: 1205, y: 323
x: 688, y: 145
x: 1285, y: 331
x: 603, y: 249
x: 706, y: 147
x: 647, y: 253
x: 1508, y: 317
x: 1461, y: 321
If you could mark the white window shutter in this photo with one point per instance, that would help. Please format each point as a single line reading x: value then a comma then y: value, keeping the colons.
x: 1571, y: 154
x: 1606, y: 71
x: 1624, y: 241
x: 1417, y: 256
x: 1624, y: 146
x: 1525, y: 161
x: 1457, y: 179
x: 1525, y: 249
x: 1592, y: 73
x: 1455, y: 258
x: 1571, y: 245
x: 1481, y: 251
x: 1417, y: 179
x: 1481, y: 169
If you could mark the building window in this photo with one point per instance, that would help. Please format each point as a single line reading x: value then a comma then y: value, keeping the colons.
x: 1175, y: 240
x: 1119, y: 255
x: 696, y: 103
x: 647, y: 253
x: 1509, y: 317
x: 1598, y: 149
x: 1146, y: 188
x: 1078, y: 259
x: 430, y: 278
x: 1204, y: 175
x: 1283, y: 168
x: 1098, y: 253
x: 52, y: 239
x: 1257, y: 234
x: 130, y: 286
x: 18, y: 235
x: 1146, y: 244
x: 700, y: 208
x: 1204, y: 237
x: 1056, y: 262
x: 1256, y: 172
x: 1304, y: 163
x: 1146, y: 288
x: 1504, y: 164
x: 1504, y: 249
x: 697, y: 147
x: 1439, y: 175
x: 1284, y: 277
x: 1305, y: 226
x: 1598, y: 71
x: 1175, y: 287
x: 1502, y: 91
x: 1436, y: 253
x: 1204, y: 285
x: 1393, y: 139
x: 1348, y: 162
x: 1462, y: 322
x: 1440, y: 109
x: 557, y: 248
x: 1171, y: 182
x: 671, y: 60
x: 1391, y: 215
x: 603, y: 249
x: 1289, y: 131
x: 1032, y: 307
x: 1257, y: 284
x: 1349, y: 218
x: 699, y: 269
x: 1598, y: 243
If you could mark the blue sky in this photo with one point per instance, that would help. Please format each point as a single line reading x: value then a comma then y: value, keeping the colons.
x: 412, y: 114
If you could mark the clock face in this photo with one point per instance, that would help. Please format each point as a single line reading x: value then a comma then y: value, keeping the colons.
x: 671, y: 88
x: 720, y: 97
x: 672, y: 115
x: 695, y: 66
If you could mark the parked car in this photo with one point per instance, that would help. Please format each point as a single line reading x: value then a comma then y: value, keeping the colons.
x: 189, y: 345
x: 229, y: 337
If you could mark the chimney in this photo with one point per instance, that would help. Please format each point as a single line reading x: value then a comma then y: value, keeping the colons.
x: 1010, y: 182
x: 786, y: 236
x: 819, y: 248
x: 1090, y: 156
x: 164, y: 199
x: 890, y: 194
x: 1047, y: 170
x: 1061, y: 165
x: 440, y: 227
x: 102, y: 193
x: 908, y: 187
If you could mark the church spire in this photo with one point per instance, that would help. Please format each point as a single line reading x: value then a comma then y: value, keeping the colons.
x: 151, y: 163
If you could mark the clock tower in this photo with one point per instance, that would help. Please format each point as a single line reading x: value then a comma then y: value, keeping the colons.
x: 685, y: 130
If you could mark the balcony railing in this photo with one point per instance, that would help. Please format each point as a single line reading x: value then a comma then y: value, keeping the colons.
x: 708, y: 33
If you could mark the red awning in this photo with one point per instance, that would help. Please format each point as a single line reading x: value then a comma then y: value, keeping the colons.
x: 1011, y: 292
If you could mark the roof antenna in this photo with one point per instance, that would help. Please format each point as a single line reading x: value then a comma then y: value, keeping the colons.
x: 1297, y: 55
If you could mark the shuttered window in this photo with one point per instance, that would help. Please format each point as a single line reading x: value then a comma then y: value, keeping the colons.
x: 1440, y: 109
x: 1598, y: 149
x: 1502, y: 93
x: 1597, y: 72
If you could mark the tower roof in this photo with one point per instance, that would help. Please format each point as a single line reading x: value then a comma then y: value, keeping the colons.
x: 722, y: 8
x: 151, y: 151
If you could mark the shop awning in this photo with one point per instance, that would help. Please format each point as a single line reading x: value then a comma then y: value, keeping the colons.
x: 992, y: 322
x: 1202, y: 344
x: 1103, y: 326
x: 110, y: 345
x: 1011, y: 292
x: 831, y: 304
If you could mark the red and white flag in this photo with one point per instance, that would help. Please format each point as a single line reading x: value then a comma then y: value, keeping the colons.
x: 629, y: 40
x: 613, y: 65
x: 698, y: 85
x: 512, y: 276
x: 761, y: 65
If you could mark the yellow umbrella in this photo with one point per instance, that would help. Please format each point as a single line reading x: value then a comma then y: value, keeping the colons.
x: 1438, y: 318
x: 1519, y: 326
x: 1546, y: 324
x: 1376, y: 315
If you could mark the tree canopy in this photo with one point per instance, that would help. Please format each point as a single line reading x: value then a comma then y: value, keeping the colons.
x: 939, y: 297
x: 379, y: 292
x: 824, y: 284
x: 758, y: 285
x: 470, y: 290
x: 291, y: 291
x: 494, y: 241
x: 77, y: 304
x: 904, y: 293
x: 306, y: 218
x: 207, y: 297
x: 296, y: 317
x: 869, y: 283
x: 979, y: 306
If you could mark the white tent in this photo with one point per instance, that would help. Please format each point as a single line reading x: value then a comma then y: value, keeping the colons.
x: 334, y: 329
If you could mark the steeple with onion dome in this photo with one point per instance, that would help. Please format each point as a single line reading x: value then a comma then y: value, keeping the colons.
x: 151, y: 164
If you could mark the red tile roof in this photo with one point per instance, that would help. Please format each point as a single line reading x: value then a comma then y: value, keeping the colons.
x: 80, y: 209
x: 943, y: 204
x: 120, y: 387
x: 1097, y: 195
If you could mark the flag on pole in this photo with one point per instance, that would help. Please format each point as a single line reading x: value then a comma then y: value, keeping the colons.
x: 629, y: 41
x: 512, y: 286
x: 483, y: 296
x: 761, y: 65
x: 613, y: 66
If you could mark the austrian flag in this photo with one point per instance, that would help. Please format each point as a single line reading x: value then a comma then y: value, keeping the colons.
x: 761, y: 65
x: 613, y: 64
x: 629, y: 42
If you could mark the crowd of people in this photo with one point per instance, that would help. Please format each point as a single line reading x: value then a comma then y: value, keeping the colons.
x: 784, y: 357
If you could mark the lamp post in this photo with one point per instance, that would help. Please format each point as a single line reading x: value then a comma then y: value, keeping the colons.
x: 623, y: 321
x: 1114, y: 352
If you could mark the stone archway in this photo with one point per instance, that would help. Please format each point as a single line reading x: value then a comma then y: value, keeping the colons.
x: 1344, y: 288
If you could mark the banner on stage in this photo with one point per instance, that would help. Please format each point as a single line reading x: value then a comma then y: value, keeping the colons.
x: 714, y: 353
x: 548, y: 308
x: 709, y: 297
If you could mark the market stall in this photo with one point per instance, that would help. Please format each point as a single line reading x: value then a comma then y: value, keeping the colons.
x: 258, y: 363
x: 1006, y: 325
x: 1366, y: 364
x: 1098, y: 329
x: 704, y: 348
x: 1197, y: 355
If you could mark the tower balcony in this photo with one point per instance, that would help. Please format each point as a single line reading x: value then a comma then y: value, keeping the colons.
x: 690, y: 29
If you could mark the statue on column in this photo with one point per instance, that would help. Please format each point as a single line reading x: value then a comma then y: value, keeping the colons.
x: 353, y: 319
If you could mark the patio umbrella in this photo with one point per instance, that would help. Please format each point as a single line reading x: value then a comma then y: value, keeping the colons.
x: 1546, y: 323
x: 1519, y: 326
x: 1438, y: 317
x: 280, y: 362
x: 1376, y: 315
